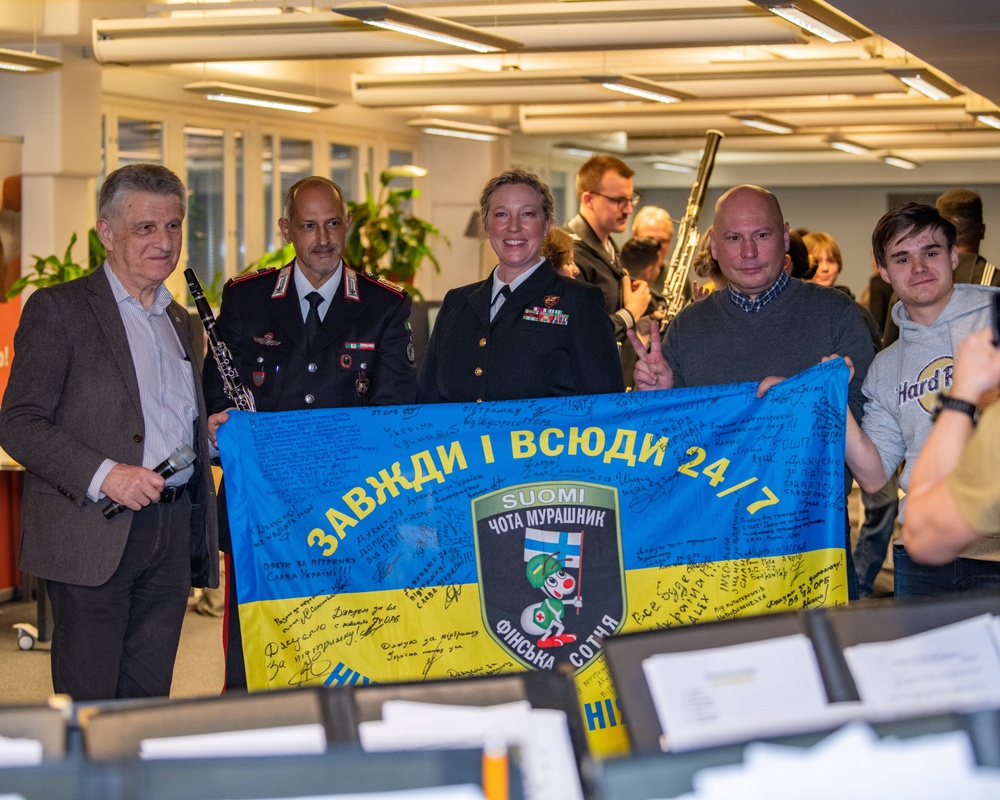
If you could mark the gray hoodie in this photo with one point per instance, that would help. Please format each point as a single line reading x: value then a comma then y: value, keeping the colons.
x: 905, y: 379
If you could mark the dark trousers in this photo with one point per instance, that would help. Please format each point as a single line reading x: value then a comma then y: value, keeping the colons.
x: 232, y: 639
x: 120, y: 639
x: 963, y: 575
x: 875, y: 534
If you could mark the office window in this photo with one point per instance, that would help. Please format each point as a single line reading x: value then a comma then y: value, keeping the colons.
x: 140, y: 141
x: 267, y: 187
x: 206, y: 227
x: 241, y: 229
x: 558, y: 185
x: 296, y: 162
x: 398, y: 158
x: 345, y: 163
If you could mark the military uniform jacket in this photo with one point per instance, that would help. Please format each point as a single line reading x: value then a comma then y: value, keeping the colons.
x: 362, y: 354
x: 550, y: 338
x: 599, y: 269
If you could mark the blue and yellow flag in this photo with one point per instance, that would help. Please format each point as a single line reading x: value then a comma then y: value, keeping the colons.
x: 406, y: 543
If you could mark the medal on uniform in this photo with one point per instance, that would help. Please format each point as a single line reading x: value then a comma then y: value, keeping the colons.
x: 551, y: 300
x: 362, y: 383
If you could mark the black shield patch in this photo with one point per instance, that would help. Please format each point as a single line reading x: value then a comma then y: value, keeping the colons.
x: 550, y: 570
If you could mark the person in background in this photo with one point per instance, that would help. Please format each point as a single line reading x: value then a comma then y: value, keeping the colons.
x: 954, y: 498
x: 829, y: 263
x: 313, y: 334
x: 557, y: 247
x: 607, y: 197
x: 799, y: 264
x: 640, y: 257
x: 525, y: 331
x: 910, y: 381
x: 102, y: 390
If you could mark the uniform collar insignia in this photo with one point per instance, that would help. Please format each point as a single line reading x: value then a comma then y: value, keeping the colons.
x: 281, y: 285
x: 351, y: 284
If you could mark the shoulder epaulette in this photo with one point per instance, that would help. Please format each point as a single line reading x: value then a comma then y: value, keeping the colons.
x: 383, y: 282
x: 249, y: 275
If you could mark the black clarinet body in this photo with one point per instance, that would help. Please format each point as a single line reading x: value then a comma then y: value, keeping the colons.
x: 231, y: 384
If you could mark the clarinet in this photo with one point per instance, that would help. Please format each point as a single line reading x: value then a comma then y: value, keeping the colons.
x: 675, y: 275
x: 231, y: 385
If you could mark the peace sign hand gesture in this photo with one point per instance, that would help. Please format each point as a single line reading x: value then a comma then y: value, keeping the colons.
x: 652, y: 370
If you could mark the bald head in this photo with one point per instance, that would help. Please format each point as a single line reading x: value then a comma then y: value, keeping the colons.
x: 654, y: 223
x: 749, y: 238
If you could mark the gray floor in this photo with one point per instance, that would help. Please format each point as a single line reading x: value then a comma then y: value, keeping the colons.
x: 25, y: 676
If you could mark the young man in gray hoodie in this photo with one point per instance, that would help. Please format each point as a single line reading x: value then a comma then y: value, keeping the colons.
x: 908, y: 382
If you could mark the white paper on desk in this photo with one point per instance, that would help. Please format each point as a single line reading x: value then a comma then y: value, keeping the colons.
x: 292, y: 740
x: 548, y: 765
x: 20, y: 752
x: 459, y: 792
x: 952, y: 668
x: 729, y: 694
x: 854, y: 762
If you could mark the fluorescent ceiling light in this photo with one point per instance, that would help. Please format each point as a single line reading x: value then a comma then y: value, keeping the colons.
x: 926, y: 82
x: 458, y: 130
x: 763, y: 123
x: 666, y: 166
x: 847, y: 146
x: 260, y: 98
x: 425, y: 27
x: 991, y: 118
x: 816, y: 19
x: 638, y: 87
x: 898, y: 161
x: 20, y: 61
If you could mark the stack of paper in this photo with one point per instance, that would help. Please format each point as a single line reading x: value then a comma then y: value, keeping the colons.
x: 854, y: 763
x: 952, y: 668
x: 541, y: 735
x: 19, y: 752
x: 293, y: 740
x: 731, y: 694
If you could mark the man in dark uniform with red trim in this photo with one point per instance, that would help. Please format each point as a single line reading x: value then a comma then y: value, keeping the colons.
x: 314, y: 334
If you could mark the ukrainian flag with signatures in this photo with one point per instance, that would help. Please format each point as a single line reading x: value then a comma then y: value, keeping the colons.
x: 418, y: 542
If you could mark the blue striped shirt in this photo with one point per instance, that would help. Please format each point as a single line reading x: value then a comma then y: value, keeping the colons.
x: 751, y: 305
x: 165, y: 377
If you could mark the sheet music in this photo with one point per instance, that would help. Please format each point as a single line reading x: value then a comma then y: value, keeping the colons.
x: 20, y: 752
x: 853, y: 762
x: 728, y: 694
x: 548, y: 765
x: 460, y: 792
x: 952, y: 668
x: 292, y: 740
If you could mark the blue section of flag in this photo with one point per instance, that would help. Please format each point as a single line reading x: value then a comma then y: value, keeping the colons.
x: 371, y: 499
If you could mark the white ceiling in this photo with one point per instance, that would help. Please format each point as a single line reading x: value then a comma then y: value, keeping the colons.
x: 729, y: 56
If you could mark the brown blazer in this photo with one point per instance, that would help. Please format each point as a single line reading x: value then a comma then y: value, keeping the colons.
x: 73, y: 400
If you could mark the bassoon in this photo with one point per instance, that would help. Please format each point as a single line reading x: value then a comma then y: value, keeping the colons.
x: 237, y: 393
x: 686, y: 248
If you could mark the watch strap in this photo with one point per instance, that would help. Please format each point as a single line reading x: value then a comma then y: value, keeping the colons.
x: 954, y: 404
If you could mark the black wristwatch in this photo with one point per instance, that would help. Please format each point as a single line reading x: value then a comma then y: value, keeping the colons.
x: 954, y: 404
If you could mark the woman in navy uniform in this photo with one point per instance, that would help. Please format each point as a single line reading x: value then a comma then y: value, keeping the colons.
x: 525, y: 331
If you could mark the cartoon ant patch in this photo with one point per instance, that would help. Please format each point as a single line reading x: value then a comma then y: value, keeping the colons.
x: 550, y: 570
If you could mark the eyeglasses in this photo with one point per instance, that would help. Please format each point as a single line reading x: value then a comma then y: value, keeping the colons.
x: 621, y: 202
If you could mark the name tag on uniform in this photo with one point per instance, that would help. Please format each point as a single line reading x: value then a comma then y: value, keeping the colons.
x: 553, y: 316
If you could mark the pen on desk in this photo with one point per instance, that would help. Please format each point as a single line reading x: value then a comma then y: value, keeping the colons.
x: 496, y: 768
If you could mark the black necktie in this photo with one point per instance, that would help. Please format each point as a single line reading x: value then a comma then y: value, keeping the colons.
x: 495, y: 305
x: 312, y: 318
